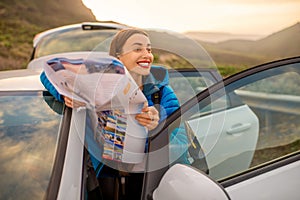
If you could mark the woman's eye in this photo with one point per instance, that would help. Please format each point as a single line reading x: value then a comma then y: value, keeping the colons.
x: 138, y: 49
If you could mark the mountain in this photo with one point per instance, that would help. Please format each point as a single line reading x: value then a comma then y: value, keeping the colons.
x: 20, y: 20
x: 215, y: 37
x: 282, y: 44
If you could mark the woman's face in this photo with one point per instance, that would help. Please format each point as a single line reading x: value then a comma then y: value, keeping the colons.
x: 137, y: 56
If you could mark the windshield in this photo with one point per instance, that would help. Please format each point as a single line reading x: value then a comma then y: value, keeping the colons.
x: 71, y: 40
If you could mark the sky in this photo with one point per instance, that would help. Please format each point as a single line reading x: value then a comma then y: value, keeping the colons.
x: 254, y: 17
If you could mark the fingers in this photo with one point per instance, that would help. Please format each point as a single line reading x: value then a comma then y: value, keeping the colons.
x: 68, y: 101
x: 148, y: 118
x: 77, y: 104
x: 73, y: 103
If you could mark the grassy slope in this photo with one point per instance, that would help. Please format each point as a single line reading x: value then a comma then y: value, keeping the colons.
x: 20, y: 20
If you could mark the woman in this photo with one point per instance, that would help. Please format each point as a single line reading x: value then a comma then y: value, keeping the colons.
x: 133, y: 48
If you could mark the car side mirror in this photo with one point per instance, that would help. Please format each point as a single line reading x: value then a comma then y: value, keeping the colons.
x: 185, y: 182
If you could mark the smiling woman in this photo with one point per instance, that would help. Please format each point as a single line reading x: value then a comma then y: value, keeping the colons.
x: 131, y: 52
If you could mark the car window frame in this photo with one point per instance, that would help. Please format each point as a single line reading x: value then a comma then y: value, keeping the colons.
x: 57, y: 170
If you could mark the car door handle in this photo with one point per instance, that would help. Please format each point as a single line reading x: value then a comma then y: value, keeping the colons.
x: 238, y: 128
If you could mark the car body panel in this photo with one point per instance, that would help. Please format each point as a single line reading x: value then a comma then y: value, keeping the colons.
x: 280, y: 183
x: 23, y: 80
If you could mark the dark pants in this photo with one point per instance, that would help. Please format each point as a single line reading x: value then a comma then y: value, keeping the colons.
x: 117, y: 187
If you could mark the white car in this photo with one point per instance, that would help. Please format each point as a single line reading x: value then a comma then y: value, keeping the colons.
x: 244, y: 132
x: 175, y: 51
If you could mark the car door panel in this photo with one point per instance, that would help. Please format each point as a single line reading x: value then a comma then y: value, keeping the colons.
x: 269, y: 135
x: 270, y: 175
x: 281, y: 183
x: 227, y: 135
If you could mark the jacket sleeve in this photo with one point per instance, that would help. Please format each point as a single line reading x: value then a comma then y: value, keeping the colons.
x: 169, y: 102
x: 178, y: 138
x: 48, y: 85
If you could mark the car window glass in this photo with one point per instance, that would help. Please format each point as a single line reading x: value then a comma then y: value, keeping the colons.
x: 260, y: 123
x: 187, y: 84
x: 72, y: 40
x: 275, y: 101
x: 29, y: 131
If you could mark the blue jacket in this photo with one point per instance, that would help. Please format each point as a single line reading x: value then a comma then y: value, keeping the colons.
x: 48, y: 85
x: 157, y: 80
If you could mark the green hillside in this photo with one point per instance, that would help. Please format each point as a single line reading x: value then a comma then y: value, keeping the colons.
x: 20, y: 20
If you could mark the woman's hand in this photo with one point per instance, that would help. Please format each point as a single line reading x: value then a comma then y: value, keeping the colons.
x: 73, y: 103
x: 149, y: 117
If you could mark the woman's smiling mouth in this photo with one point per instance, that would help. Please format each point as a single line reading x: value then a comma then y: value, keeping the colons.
x: 144, y: 64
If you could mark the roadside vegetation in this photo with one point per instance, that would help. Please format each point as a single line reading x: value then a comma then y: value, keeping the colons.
x: 15, y: 43
x: 21, y: 20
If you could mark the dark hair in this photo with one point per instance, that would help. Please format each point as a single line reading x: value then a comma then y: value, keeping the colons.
x: 120, y: 39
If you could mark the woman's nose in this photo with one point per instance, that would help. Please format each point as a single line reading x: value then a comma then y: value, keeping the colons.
x: 147, y: 53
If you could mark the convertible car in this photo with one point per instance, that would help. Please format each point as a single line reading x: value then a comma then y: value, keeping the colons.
x: 244, y: 130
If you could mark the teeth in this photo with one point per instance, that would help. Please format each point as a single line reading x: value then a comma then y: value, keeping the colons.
x: 143, y: 64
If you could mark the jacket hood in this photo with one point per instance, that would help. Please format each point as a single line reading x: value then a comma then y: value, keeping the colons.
x: 157, y: 78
